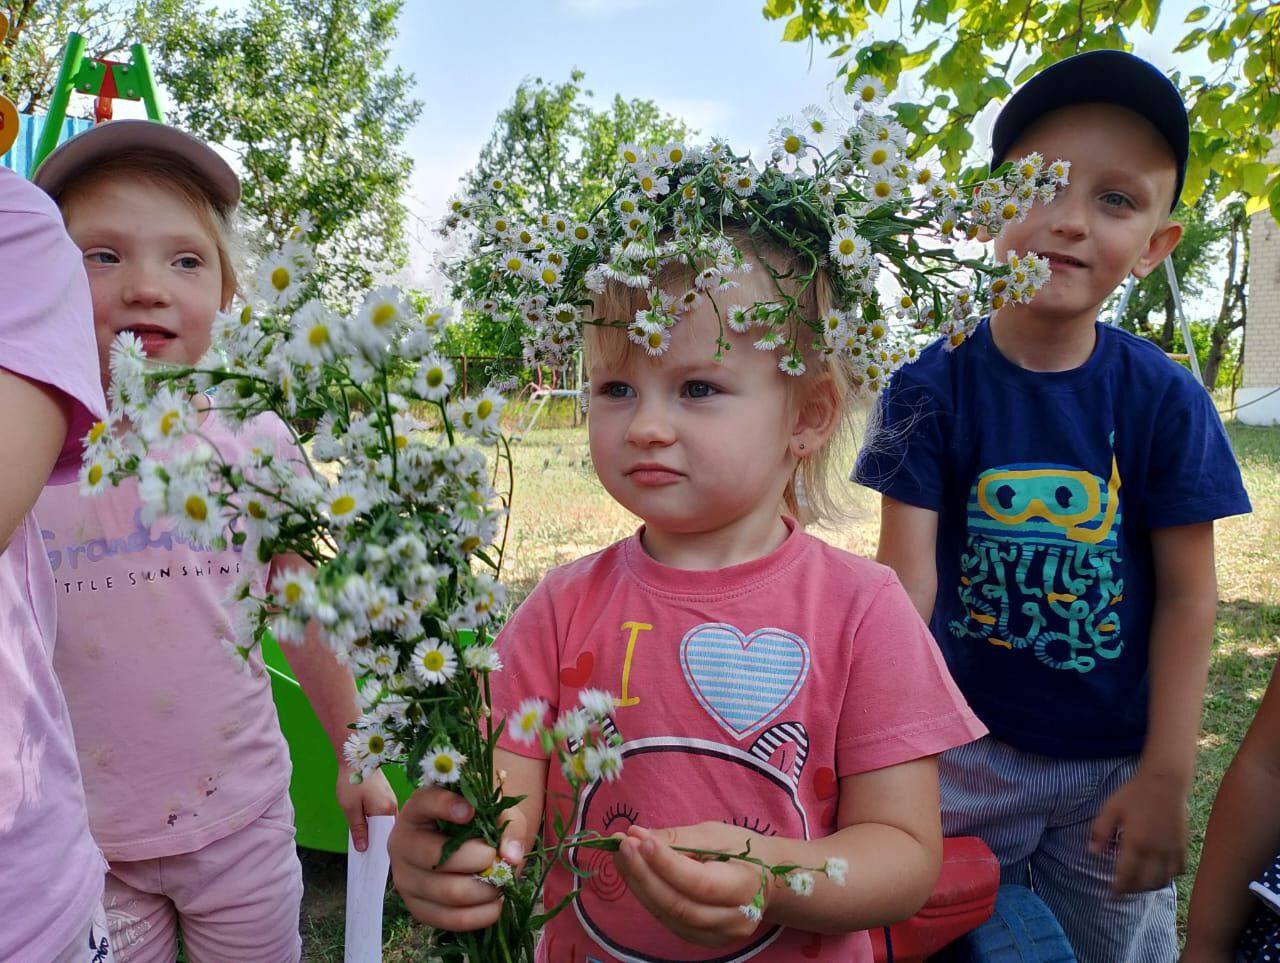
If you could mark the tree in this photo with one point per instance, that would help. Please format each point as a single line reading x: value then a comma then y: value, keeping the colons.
x: 555, y: 151
x: 1215, y: 239
x: 967, y: 49
x: 32, y: 52
x: 301, y: 91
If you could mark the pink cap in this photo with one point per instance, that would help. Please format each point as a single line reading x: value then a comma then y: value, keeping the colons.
x: 108, y: 139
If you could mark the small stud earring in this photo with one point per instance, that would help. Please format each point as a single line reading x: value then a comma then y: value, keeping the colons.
x: 802, y: 446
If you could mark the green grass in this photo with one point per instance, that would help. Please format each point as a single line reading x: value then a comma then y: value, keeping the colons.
x: 560, y: 512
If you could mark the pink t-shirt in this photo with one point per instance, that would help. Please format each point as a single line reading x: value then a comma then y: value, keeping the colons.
x: 177, y: 745
x: 51, y: 873
x: 744, y: 695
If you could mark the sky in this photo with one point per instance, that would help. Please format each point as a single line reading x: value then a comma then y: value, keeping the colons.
x: 717, y: 64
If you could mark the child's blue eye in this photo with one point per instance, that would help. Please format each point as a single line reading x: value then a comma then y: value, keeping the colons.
x: 616, y: 389
x: 700, y: 389
x: 189, y: 262
x: 1116, y: 199
x: 102, y: 257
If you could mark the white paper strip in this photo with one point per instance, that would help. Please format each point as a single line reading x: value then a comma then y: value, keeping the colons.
x: 366, y: 887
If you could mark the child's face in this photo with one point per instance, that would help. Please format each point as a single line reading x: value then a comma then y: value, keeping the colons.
x: 688, y: 444
x: 1112, y: 219
x: 153, y: 268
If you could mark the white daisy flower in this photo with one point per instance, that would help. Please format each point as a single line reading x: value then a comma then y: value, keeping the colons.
x: 652, y: 184
x: 836, y: 870
x: 847, y: 249
x: 280, y: 279
x: 770, y: 340
x: 167, y: 417
x: 515, y: 264
x: 751, y: 912
x: 548, y: 273
x: 815, y: 120
x: 314, y: 328
x: 368, y: 749
x: 498, y: 875
x: 630, y: 154
x: 788, y: 139
x: 345, y: 502
x: 800, y: 882
x: 867, y: 92
x: 572, y: 726
x: 500, y: 225
x: 434, y: 379
x: 434, y: 661
x: 481, y: 658
x: 792, y: 364
x: 674, y: 154
x: 526, y: 723
x: 603, y: 762
x: 596, y: 702
x: 738, y: 318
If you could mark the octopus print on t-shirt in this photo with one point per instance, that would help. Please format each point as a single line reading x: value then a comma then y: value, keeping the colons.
x: 1041, y: 569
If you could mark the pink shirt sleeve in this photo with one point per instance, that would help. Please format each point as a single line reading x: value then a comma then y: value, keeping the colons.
x: 46, y: 316
x: 529, y: 646
x: 901, y: 703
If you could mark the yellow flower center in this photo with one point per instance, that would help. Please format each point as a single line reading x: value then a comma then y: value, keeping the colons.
x: 905, y: 301
x: 342, y: 505
x: 676, y: 155
x: 383, y: 315
x: 435, y: 377
x: 484, y: 409
x: 868, y: 93
x: 433, y: 660
x: 655, y: 340
x: 256, y: 510
x: 196, y: 508
x: 377, y: 744
x: 998, y: 285
x: 97, y: 431
x: 501, y: 226
x: 167, y: 422
x: 292, y: 592
x: 401, y: 442
x: 443, y: 764
x: 95, y: 474
x: 879, y: 156
x: 246, y: 315
x: 318, y: 335
x: 581, y: 233
x: 1009, y: 211
x: 792, y: 144
x: 846, y: 246
x: 549, y: 276
x: 514, y: 264
x: 280, y: 278
x: 882, y: 189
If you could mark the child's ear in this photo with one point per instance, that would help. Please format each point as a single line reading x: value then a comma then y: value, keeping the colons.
x: 816, y: 417
x: 1161, y: 245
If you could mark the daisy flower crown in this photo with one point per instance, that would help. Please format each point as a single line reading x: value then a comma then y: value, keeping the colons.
x: 882, y: 226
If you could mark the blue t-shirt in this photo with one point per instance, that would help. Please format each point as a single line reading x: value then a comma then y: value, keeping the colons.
x: 1047, y: 487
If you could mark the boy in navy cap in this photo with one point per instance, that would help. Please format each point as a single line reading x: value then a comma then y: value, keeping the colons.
x: 1049, y: 492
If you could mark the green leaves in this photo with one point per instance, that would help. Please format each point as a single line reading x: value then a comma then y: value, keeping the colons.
x: 991, y: 46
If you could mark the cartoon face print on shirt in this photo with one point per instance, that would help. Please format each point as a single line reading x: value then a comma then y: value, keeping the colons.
x: 1040, y: 568
x: 697, y: 781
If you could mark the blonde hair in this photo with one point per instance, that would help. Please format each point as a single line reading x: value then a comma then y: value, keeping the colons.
x: 172, y: 173
x: 810, y: 495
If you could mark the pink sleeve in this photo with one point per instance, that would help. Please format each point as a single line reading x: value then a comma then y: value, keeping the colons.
x: 529, y: 645
x: 46, y: 316
x: 901, y: 703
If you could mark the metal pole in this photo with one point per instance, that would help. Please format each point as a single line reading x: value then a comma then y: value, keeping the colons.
x: 52, y: 129
x: 1130, y: 283
x: 143, y: 66
x: 1182, y: 320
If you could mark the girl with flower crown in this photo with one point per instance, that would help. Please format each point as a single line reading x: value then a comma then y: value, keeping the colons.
x: 186, y: 772
x: 772, y: 694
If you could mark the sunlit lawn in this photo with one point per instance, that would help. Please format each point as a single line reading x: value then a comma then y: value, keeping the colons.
x: 560, y: 513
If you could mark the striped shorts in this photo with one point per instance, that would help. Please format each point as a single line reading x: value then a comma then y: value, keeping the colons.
x: 1035, y: 812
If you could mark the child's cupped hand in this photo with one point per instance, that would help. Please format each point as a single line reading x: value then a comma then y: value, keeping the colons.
x: 448, y: 897
x: 358, y: 801
x: 1146, y: 821
x: 700, y: 902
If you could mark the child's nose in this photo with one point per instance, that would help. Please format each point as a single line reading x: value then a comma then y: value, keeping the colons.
x: 1069, y: 213
x: 650, y: 426
x: 144, y: 288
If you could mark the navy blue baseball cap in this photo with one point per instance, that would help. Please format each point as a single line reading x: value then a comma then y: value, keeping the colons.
x: 1099, y: 76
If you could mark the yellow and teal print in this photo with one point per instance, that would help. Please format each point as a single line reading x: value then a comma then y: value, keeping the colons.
x: 1039, y: 572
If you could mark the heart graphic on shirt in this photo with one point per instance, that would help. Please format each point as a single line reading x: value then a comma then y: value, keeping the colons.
x: 576, y: 676
x: 824, y: 783
x: 743, y: 681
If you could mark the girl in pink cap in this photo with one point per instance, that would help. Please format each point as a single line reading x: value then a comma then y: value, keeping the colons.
x: 185, y: 769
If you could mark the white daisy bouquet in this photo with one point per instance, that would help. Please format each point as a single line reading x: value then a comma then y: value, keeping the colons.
x: 851, y: 202
x: 390, y: 492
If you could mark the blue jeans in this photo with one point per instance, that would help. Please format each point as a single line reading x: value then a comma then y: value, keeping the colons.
x: 1022, y: 930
